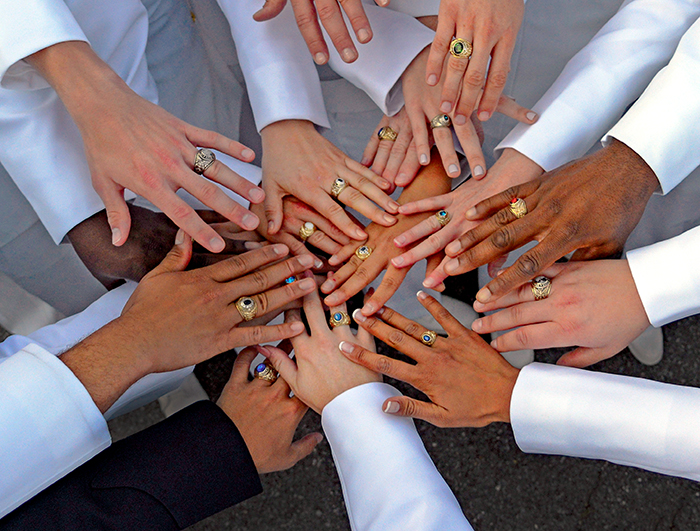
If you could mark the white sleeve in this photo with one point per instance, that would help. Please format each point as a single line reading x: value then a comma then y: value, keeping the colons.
x: 663, y: 126
x: 50, y: 425
x: 389, y: 481
x: 280, y: 75
x: 629, y: 421
x: 667, y: 277
x: 602, y: 80
x: 26, y: 28
x: 397, y: 40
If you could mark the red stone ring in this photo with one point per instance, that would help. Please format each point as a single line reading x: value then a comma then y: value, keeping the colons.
x: 518, y: 207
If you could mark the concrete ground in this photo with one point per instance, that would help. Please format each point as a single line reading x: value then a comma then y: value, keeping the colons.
x: 499, y: 487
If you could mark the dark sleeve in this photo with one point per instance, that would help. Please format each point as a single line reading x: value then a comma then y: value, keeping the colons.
x: 170, y: 476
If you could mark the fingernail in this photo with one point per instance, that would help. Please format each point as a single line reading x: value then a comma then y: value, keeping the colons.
x: 383, y: 2
x: 453, y: 170
x: 279, y: 249
x: 317, y: 437
x: 179, y: 237
x: 297, y: 327
x: 383, y: 183
x: 318, y: 264
x: 432, y: 80
x: 368, y: 309
x: 422, y: 295
x: 454, y: 247
x: 360, y: 234
x: 332, y: 300
x: 247, y: 153
x: 484, y: 295
x: 270, y: 225
x: 394, y: 206
x: 451, y: 266
x: 349, y: 55
x: 460, y: 119
x: 471, y: 213
x: 532, y: 116
x: 398, y: 261
x: 363, y: 35
x: 493, y: 344
x: 217, y: 245
x: 250, y: 221
x: 117, y: 235
x: 484, y: 115
x: 380, y: 311
x: 252, y: 245
x: 263, y: 350
x: 478, y: 171
x: 346, y: 347
x: 328, y: 285
x: 401, y: 178
x: 333, y: 260
x: 306, y: 284
x: 423, y: 159
x: 476, y: 325
x: 429, y: 283
x: 400, y: 241
x: 445, y: 106
x: 358, y: 317
x: 257, y: 195
x: 320, y: 58
x: 306, y: 260
x: 389, y: 219
x: 391, y: 407
x: 365, y: 161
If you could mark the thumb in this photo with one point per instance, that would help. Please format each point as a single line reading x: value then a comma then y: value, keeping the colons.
x: 177, y: 259
x: 583, y: 357
x: 118, y: 215
x: 269, y: 10
x: 273, y: 210
x: 304, y: 446
x: 403, y: 406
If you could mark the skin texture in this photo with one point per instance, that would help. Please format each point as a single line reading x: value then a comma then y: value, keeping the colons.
x: 319, y: 372
x: 589, y: 206
x: 592, y: 304
x: 309, y: 12
x: 511, y: 168
x: 492, y: 27
x: 176, y: 318
x: 468, y: 383
x: 266, y: 417
x: 356, y: 274
x: 137, y: 145
x: 299, y: 162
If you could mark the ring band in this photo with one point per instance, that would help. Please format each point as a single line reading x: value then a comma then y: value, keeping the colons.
x: 363, y: 252
x: 338, y: 186
x: 441, y: 120
x: 428, y: 338
x: 461, y: 48
x: 443, y: 217
x: 518, y: 207
x: 247, y: 307
x: 541, y: 287
x: 306, y: 230
x: 387, y: 133
x: 265, y: 371
x: 339, y: 319
x: 203, y: 160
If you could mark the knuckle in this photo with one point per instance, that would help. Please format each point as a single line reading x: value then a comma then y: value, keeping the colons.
x: 326, y: 11
x: 502, y: 217
x: 363, y: 274
x: 555, y: 206
x: 396, y: 338
x: 409, y: 408
x: 335, y: 210
x: 474, y: 78
x: 236, y: 266
x: 528, y: 265
x: 570, y: 230
x: 258, y: 279
x: 263, y: 303
x: 305, y: 19
x: 181, y: 213
x: 256, y: 335
x: 521, y: 337
x: 390, y: 283
x: 413, y: 329
x: 383, y: 364
x: 498, y: 78
x: 503, y: 238
x: 208, y: 192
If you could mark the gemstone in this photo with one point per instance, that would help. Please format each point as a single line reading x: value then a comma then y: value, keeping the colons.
x: 426, y: 337
x: 445, y: 117
x: 442, y: 213
x: 381, y: 131
x: 363, y: 249
x: 247, y: 302
x: 261, y: 367
x: 337, y: 316
x: 308, y: 225
x: 458, y: 48
x: 290, y: 280
x: 513, y: 201
x: 339, y: 181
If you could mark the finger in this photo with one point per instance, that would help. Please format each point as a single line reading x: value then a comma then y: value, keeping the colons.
x: 308, y: 214
x: 409, y: 167
x: 177, y: 259
x: 241, y: 367
x: 358, y: 19
x: 341, y: 256
x: 260, y: 281
x: 403, y: 406
x: 377, y: 363
x: 307, y: 21
x: 439, y: 49
x: 283, y: 364
x: 237, y: 266
x: 354, y: 199
x: 497, y: 77
x: 402, y: 161
x: 513, y: 317
x: 370, y: 184
x: 270, y: 301
x: 448, y: 322
x: 332, y: 19
x: 394, y: 337
x: 274, y: 211
x: 435, y: 278
x: 584, y: 356
x: 187, y: 219
x: 325, y: 206
x: 448, y: 154
x: 421, y: 140
x: 118, y: 216
x: 433, y: 262
x: 454, y: 76
x: 398, y: 321
x: 471, y: 146
x: 434, y: 244
x: 419, y: 231
x: 269, y: 10
x: 429, y: 204
x: 342, y: 331
x: 361, y: 278
x: 383, y: 153
x: 303, y: 447
x: 473, y: 80
x: 210, y: 139
x: 493, y: 204
x: 537, y: 336
x: 313, y: 309
x: 225, y: 176
x: 390, y: 284
x: 509, y: 107
x: 370, y: 151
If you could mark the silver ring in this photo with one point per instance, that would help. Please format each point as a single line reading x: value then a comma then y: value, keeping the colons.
x: 203, y: 160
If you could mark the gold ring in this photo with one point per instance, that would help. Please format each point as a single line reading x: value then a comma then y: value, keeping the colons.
x: 428, y: 338
x: 443, y: 217
x: 306, y: 230
x: 203, y: 160
x: 441, y: 120
x: 265, y: 371
x: 339, y: 319
x: 363, y: 252
x: 387, y: 133
x: 518, y: 207
x: 338, y: 186
x: 247, y: 307
x: 541, y: 287
x: 461, y: 48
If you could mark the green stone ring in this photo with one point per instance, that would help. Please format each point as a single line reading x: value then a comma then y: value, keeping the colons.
x: 461, y: 48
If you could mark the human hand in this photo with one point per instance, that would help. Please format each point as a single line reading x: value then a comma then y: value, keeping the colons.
x: 308, y: 13
x: 321, y: 373
x: 589, y: 206
x: 592, y: 304
x: 266, y: 417
x: 510, y: 169
x: 298, y: 161
x: 468, y: 383
x: 492, y: 27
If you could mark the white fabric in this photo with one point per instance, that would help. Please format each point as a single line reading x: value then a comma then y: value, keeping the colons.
x: 603, y: 79
x: 389, y: 481
x: 629, y: 421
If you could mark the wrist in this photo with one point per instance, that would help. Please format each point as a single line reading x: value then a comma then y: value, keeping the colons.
x: 505, y: 395
x: 623, y: 158
x: 282, y: 130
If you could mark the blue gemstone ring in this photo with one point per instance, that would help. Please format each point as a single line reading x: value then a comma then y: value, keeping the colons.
x: 247, y: 307
x: 428, y: 338
x: 443, y: 217
x: 387, y: 133
x: 265, y: 371
x: 363, y: 252
x: 290, y: 280
x: 441, y: 120
x: 339, y: 319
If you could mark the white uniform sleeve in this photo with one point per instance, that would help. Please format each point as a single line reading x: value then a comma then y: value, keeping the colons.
x: 389, y: 481
x: 668, y: 298
x: 663, y: 126
x: 602, y: 80
x: 50, y: 425
x: 629, y: 421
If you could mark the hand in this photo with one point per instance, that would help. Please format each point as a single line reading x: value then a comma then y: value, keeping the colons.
x: 492, y: 27
x: 266, y: 418
x: 510, y: 169
x: 468, y: 383
x: 389, y: 158
x: 592, y: 304
x: 308, y: 13
x: 589, y: 206
x: 321, y: 373
x: 132, y: 143
x: 298, y: 161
